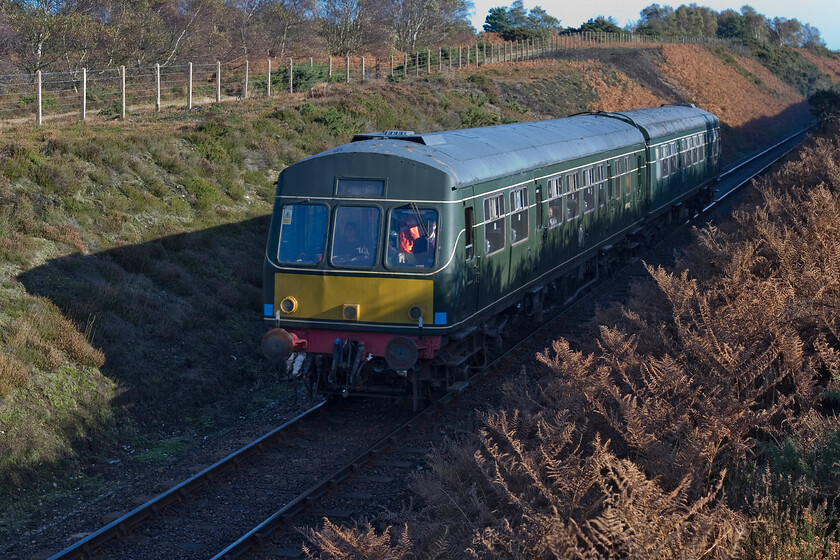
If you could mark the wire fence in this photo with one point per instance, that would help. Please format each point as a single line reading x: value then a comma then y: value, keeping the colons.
x: 113, y: 92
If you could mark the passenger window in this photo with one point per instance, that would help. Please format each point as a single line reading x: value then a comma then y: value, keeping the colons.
x: 555, y: 203
x: 303, y: 232
x: 518, y: 215
x: 572, y: 196
x: 494, y: 224
x: 355, y: 235
x: 412, y: 237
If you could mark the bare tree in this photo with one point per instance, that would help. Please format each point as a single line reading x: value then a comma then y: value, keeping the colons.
x: 418, y: 23
x: 346, y: 25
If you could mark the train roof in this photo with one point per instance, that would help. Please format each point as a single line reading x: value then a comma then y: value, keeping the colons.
x: 669, y: 120
x: 475, y: 155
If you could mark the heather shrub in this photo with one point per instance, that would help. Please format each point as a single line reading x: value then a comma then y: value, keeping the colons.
x: 647, y: 443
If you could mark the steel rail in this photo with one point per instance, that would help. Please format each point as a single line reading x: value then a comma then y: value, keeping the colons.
x: 306, y: 500
x: 120, y: 527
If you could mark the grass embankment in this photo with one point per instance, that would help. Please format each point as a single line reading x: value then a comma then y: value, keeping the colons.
x: 130, y: 254
x: 131, y: 260
x: 700, y: 423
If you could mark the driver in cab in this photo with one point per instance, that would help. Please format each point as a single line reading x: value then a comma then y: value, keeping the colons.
x: 415, y: 245
x: 350, y: 247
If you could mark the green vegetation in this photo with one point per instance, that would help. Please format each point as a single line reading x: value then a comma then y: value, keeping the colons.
x: 825, y: 105
x: 783, y: 61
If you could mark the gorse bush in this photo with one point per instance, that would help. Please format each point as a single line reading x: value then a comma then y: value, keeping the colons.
x: 711, y: 371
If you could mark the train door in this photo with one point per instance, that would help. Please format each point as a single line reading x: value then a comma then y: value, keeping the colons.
x: 492, y: 244
x: 520, y: 237
x: 615, y: 201
x: 644, y: 185
x: 472, y: 262
x: 540, y: 242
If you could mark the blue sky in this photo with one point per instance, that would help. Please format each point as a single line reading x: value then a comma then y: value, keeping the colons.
x: 823, y: 14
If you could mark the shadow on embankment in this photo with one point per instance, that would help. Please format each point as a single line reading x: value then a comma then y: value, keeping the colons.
x: 178, y: 319
x: 758, y: 134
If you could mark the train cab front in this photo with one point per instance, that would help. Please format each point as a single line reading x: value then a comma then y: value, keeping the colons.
x: 349, y: 294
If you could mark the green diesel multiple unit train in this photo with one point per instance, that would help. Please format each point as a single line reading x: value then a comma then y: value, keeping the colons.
x: 394, y: 261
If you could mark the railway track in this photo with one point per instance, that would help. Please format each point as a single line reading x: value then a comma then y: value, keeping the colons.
x: 197, y: 508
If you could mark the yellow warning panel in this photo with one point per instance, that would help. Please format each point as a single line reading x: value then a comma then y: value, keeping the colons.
x: 376, y: 299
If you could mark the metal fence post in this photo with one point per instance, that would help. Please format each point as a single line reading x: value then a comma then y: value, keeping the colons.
x: 122, y: 92
x: 189, y: 88
x: 157, y: 87
x: 84, y: 94
x: 39, y: 113
x: 268, y: 79
x: 245, y: 92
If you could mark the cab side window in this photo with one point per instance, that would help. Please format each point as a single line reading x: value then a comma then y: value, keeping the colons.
x: 494, y: 224
x: 412, y: 237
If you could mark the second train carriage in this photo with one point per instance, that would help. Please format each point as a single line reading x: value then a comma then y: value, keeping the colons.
x: 397, y: 258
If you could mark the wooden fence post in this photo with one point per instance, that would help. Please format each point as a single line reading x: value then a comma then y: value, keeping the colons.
x: 459, y: 57
x: 157, y: 87
x: 39, y: 108
x: 218, y: 82
x: 122, y: 92
x: 405, y: 65
x: 84, y: 94
x: 245, y: 92
x: 392, y: 66
x: 347, y: 69
x: 440, y: 59
x: 189, y: 89
x: 291, y: 76
x: 416, y: 63
x: 329, y: 69
x: 268, y: 79
x: 363, y: 69
x: 428, y: 62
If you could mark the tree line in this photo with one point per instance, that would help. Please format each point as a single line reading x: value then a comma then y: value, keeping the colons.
x: 71, y: 34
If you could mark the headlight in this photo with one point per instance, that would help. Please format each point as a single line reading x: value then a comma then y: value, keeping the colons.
x: 289, y: 305
x: 350, y: 311
x: 415, y: 312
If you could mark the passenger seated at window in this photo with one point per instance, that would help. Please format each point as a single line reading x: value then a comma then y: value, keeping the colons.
x: 552, y: 219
